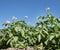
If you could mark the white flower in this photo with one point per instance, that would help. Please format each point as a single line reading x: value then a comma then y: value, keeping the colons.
x: 14, y: 18
x: 25, y: 16
x: 47, y: 9
x: 7, y: 22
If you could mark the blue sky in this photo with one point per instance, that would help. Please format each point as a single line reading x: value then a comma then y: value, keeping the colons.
x: 31, y: 8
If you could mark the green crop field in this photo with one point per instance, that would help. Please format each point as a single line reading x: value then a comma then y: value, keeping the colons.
x: 45, y: 35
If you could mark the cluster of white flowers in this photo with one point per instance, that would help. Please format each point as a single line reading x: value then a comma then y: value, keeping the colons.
x: 26, y: 17
x: 14, y: 18
x: 7, y: 22
x: 48, y: 9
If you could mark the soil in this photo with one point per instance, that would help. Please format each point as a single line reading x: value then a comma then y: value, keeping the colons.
x: 28, y: 48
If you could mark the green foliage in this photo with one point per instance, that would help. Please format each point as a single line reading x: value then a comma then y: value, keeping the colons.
x: 45, y: 34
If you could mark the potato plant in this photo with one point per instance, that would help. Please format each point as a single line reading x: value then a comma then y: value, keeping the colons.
x: 44, y: 35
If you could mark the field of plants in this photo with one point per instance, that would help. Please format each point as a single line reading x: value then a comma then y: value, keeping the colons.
x: 45, y: 35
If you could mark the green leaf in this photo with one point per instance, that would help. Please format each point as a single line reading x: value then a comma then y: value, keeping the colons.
x: 10, y: 34
x: 22, y: 33
x: 45, y: 32
x: 51, y: 37
x: 17, y: 29
x: 39, y: 38
x: 15, y: 38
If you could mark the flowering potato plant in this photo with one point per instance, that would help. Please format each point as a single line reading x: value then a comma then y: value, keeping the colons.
x: 44, y: 35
